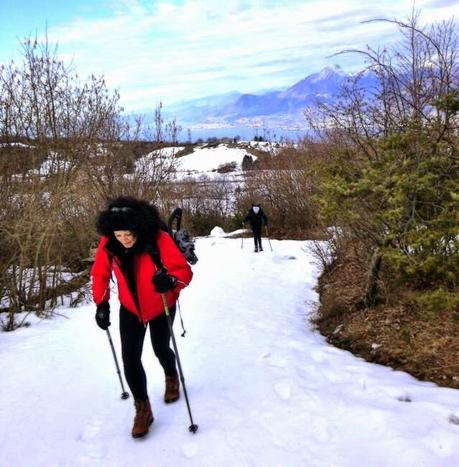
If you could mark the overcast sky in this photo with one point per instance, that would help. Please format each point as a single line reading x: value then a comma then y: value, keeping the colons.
x: 175, y: 50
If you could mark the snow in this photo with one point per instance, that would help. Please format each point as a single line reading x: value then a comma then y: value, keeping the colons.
x: 203, y: 161
x: 168, y: 151
x: 150, y: 162
x: 20, y: 145
x: 217, y: 232
x: 29, y: 283
x: 52, y: 165
x: 264, y: 387
x: 210, y: 159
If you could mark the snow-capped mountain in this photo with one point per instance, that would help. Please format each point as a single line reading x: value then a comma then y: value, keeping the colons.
x: 275, y: 108
x: 325, y: 83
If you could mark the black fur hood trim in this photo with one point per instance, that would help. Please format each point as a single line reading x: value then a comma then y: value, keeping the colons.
x: 128, y: 213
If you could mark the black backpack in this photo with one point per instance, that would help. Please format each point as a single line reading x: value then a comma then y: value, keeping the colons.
x: 181, y: 237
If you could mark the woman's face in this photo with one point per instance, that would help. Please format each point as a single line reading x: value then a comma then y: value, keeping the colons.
x: 125, y: 237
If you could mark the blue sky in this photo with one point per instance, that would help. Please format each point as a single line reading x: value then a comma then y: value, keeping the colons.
x: 172, y: 51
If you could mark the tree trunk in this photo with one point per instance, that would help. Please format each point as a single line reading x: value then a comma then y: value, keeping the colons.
x: 372, y: 279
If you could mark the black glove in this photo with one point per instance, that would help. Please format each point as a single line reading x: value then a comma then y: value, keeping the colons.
x: 163, y: 282
x: 103, y: 315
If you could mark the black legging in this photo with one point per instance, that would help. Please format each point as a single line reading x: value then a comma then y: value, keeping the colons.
x: 257, y: 237
x: 132, y: 334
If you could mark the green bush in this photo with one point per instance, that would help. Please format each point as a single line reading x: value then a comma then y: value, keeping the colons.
x: 438, y: 301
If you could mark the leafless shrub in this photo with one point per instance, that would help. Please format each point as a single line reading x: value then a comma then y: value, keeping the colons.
x: 64, y: 149
x: 206, y: 202
x: 285, y: 187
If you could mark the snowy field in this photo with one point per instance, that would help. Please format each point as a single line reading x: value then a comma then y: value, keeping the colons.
x: 202, y: 161
x: 208, y: 160
x: 265, y: 389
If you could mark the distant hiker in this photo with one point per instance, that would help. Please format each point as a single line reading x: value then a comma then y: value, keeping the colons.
x: 131, y: 230
x: 256, y: 217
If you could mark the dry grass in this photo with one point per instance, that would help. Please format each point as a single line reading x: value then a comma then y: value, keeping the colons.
x: 396, y: 335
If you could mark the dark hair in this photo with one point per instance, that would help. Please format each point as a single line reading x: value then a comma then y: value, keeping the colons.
x: 128, y: 213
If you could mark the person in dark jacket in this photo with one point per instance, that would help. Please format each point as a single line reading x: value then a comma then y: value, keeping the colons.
x: 130, y: 230
x: 256, y: 217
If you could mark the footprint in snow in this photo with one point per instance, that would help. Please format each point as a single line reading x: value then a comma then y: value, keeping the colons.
x: 454, y: 419
x: 277, y: 362
x: 318, y: 356
x: 405, y: 398
x: 267, y: 358
x: 91, y: 430
x: 283, y: 390
x: 294, y: 344
x: 93, y: 451
x: 190, y: 449
x: 265, y: 353
x: 320, y: 429
x: 280, y: 259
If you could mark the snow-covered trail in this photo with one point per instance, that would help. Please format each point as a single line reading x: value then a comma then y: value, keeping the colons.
x: 265, y: 389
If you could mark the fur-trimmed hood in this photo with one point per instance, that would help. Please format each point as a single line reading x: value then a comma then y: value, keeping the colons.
x: 128, y: 213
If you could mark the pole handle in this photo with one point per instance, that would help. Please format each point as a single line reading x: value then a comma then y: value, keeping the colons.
x: 165, y: 305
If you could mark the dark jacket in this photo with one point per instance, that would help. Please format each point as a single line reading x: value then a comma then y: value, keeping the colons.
x: 256, y: 219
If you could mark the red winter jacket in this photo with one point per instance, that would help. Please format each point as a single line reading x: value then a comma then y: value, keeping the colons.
x: 150, y: 302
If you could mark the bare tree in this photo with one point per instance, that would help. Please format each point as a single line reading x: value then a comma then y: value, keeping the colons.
x: 51, y: 124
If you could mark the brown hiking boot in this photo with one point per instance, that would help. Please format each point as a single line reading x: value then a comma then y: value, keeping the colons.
x: 143, y: 418
x: 172, y: 389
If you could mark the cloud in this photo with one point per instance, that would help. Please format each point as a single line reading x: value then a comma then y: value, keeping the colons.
x: 441, y: 3
x: 174, y: 51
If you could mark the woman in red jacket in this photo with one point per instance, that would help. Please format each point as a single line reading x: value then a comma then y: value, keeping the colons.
x: 131, y: 230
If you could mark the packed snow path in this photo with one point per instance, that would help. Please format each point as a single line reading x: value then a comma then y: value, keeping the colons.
x: 265, y: 389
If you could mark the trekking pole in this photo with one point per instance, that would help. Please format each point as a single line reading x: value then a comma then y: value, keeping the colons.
x: 124, y: 394
x: 181, y: 319
x: 242, y: 237
x: 267, y: 234
x: 193, y: 427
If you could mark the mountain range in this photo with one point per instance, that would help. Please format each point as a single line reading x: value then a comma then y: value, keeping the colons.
x: 272, y: 109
